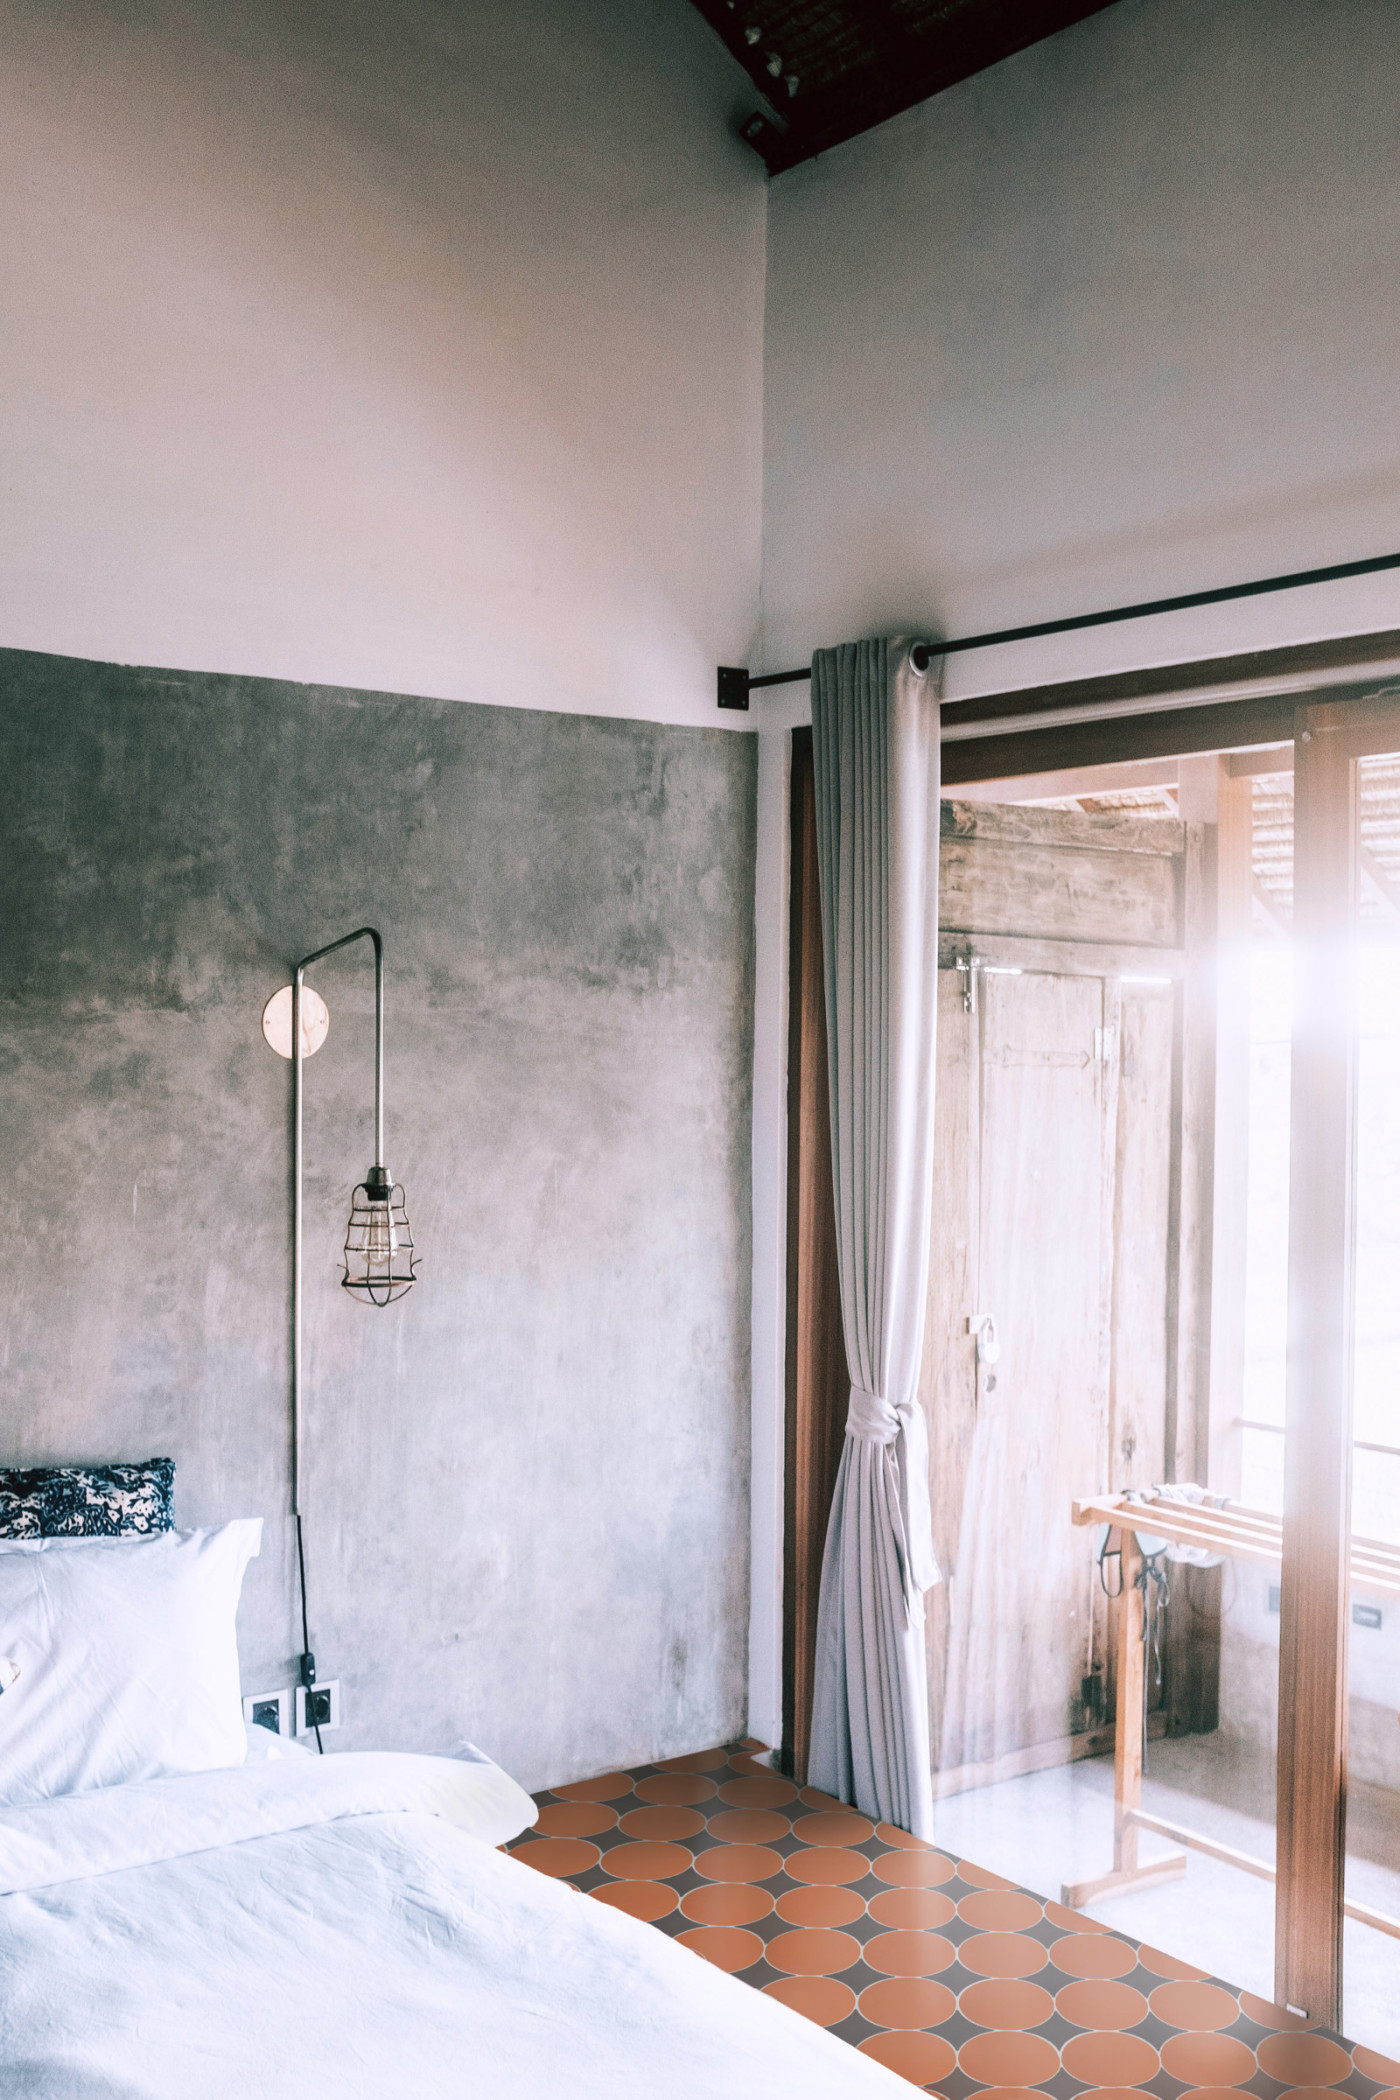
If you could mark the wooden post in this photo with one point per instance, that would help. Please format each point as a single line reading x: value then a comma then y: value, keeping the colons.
x: 1221, y: 1446
x: 1127, y: 1753
x: 1312, y: 1685
x: 1128, y: 1714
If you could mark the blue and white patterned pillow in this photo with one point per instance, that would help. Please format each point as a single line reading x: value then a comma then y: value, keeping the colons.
x: 122, y: 1501
x: 21, y: 1503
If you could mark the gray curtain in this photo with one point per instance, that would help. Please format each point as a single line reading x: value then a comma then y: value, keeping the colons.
x: 875, y: 751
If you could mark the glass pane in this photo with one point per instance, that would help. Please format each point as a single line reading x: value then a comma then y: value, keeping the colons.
x: 1371, y: 1965
x: 1112, y: 1197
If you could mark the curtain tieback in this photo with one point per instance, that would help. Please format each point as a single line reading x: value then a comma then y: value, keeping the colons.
x: 870, y: 1419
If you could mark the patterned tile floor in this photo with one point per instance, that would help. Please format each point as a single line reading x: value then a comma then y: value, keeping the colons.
x: 958, y: 1980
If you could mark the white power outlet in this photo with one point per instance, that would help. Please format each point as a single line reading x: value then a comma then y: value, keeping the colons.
x: 330, y: 1693
x: 273, y: 1711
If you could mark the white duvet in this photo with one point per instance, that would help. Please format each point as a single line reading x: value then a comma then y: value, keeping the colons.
x: 328, y: 1927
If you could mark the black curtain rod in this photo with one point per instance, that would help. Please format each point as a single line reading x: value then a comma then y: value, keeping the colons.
x: 735, y: 685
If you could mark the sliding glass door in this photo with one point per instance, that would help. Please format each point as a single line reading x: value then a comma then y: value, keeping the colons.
x: 1339, y: 1749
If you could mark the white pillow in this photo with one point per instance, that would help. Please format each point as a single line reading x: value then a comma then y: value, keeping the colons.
x: 126, y: 1658
x: 265, y: 1748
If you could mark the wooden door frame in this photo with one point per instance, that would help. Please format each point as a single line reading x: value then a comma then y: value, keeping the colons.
x: 1332, y: 732
x: 817, y: 1383
x: 1315, y: 1602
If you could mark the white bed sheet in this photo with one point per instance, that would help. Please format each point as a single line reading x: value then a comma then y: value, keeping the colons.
x: 306, y: 1929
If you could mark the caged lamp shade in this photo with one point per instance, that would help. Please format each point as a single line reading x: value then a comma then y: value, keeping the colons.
x: 379, y: 1257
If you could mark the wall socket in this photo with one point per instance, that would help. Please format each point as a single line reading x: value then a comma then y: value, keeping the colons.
x: 273, y: 1711
x: 318, y: 1706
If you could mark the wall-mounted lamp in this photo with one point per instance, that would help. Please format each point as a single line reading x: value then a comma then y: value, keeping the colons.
x: 380, y: 1260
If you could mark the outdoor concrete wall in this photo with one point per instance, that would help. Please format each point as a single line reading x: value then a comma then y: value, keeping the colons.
x: 527, y: 1484
x: 1110, y: 321
x: 405, y: 344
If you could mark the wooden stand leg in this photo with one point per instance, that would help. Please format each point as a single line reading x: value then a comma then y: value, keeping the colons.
x: 1127, y: 1753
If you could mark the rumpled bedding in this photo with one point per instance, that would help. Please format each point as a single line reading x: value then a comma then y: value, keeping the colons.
x: 330, y: 1927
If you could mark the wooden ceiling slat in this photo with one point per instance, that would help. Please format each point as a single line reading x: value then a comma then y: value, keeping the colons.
x: 857, y: 62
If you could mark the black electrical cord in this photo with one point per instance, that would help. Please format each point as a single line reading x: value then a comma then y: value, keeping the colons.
x: 308, y: 1660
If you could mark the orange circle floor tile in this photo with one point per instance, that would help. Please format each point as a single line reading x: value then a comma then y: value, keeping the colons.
x: 1002, y: 1954
x: 949, y: 1975
x: 1168, y: 1965
x: 640, y: 1899
x: 748, y: 1826
x: 727, y: 1903
x: 913, y: 1870
x: 912, y: 1910
x: 909, y: 1953
x: 1208, y: 2059
x: 819, y: 1998
x: 981, y: 1878
x: 907, y: 2001
x: 575, y: 1819
x: 1086, y: 1954
x: 999, y: 1910
x: 646, y: 1862
x: 1372, y: 2064
x: 1073, y: 1920
x: 609, y: 1786
x: 1006, y: 2002
x: 724, y: 1945
x: 676, y: 1789
x: 757, y: 1790
x: 558, y: 1857
x: 1303, y: 2059
x: 1195, y: 2005
x: 820, y: 1906
x: 1009, y: 2058
x: 1110, y: 2059
x: 813, y: 1953
x: 669, y: 1824
x: 833, y: 1829
x: 829, y: 1864
x: 738, y: 1863
x: 1100, y: 2004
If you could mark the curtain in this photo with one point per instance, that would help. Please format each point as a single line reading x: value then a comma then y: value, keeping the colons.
x: 875, y: 751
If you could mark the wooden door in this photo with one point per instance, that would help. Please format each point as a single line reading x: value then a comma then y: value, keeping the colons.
x: 1020, y: 1602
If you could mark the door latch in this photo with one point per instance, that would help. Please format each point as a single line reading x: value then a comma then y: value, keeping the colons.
x: 984, y: 1328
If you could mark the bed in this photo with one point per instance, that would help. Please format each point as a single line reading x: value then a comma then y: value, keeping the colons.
x: 178, y: 1922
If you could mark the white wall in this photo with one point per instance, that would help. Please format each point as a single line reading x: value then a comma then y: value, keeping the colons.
x: 412, y: 347
x: 1115, y: 319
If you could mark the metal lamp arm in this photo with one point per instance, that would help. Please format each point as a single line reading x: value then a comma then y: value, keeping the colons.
x: 361, y: 933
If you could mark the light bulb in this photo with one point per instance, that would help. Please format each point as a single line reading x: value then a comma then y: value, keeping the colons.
x: 381, y: 1240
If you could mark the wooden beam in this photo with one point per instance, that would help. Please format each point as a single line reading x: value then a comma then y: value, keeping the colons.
x: 1317, y: 1465
x: 1234, y: 912
x: 1341, y: 659
x: 1107, y: 831
x: 1066, y: 786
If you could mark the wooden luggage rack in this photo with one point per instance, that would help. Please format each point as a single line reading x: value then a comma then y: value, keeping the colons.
x: 1237, y: 1534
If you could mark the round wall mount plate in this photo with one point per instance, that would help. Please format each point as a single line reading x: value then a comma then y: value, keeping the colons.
x: 277, y: 1021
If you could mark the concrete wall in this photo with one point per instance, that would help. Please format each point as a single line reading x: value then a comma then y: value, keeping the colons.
x: 526, y: 1485
x: 1112, y: 320
x: 412, y: 346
